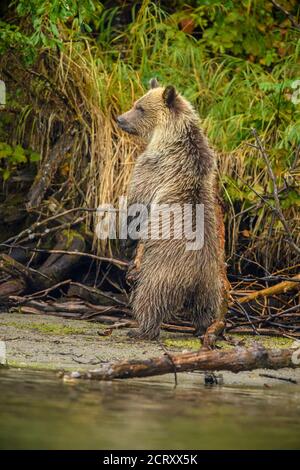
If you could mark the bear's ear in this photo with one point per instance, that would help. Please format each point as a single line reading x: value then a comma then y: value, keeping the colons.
x: 169, y: 96
x: 153, y: 83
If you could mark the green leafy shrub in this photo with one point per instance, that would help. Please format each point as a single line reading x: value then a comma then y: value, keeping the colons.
x: 12, y: 157
x: 237, y: 62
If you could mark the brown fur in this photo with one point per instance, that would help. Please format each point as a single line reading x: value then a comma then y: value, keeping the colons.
x: 177, y: 167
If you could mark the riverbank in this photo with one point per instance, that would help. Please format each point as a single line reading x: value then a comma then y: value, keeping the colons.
x: 43, y: 342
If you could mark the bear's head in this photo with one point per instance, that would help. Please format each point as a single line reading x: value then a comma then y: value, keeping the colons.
x: 150, y: 110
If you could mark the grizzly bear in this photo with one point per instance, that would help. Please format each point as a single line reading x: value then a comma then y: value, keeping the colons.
x: 177, y: 167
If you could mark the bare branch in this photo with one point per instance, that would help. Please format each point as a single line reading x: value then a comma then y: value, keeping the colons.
x: 277, y: 208
x: 115, y: 261
x: 287, y: 13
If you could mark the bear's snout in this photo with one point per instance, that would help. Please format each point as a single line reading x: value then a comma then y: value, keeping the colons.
x: 120, y: 120
x: 122, y: 123
x: 125, y: 125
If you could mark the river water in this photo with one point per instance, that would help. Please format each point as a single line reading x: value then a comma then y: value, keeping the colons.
x: 40, y: 411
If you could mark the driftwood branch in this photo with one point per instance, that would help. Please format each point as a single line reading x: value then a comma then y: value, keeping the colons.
x: 237, y: 360
x: 279, y: 288
x: 74, y: 308
x: 217, y: 327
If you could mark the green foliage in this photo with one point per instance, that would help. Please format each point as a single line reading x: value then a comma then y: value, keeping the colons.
x: 245, y: 29
x: 238, y: 62
x: 12, y: 157
x: 47, y: 20
x: 10, y: 36
x: 222, y: 62
x: 47, y: 15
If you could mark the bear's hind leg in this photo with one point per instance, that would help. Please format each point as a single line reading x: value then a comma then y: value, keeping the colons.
x: 206, y: 310
x: 148, y: 312
x: 201, y: 320
x: 149, y: 322
x: 153, y: 301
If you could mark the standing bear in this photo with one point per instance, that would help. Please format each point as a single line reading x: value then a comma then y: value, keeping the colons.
x: 177, y: 167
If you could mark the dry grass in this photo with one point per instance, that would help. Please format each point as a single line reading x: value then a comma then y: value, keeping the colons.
x: 98, y: 82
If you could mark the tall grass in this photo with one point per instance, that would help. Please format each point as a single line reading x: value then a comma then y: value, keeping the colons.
x: 102, y: 78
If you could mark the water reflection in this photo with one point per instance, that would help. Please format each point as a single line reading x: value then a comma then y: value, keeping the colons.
x: 38, y: 410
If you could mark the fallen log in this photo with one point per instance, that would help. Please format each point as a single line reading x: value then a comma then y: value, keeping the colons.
x: 95, y: 296
x: 56, y: 267
x: 12, y: 287
x: 280, y: 288
x: 25, y: 277
x: 71, y: 307
x: 236, y: 360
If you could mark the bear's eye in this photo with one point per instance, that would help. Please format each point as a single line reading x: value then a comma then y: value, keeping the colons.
x: 140, y: 108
